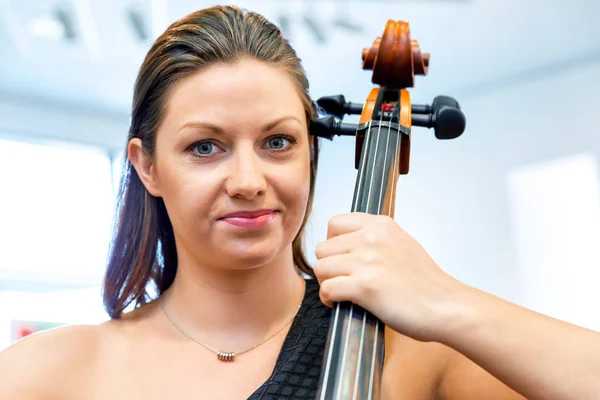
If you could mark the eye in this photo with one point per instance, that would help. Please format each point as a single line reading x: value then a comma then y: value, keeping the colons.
x: 204, y: 149
x: 280, y: 142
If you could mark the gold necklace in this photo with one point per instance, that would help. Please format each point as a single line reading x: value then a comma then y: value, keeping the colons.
x: 223, y: 355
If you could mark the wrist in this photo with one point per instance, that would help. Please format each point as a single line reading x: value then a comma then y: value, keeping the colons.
x: 459, y: 314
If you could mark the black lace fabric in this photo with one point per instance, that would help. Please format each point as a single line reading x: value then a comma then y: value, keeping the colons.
x: 298, y: 366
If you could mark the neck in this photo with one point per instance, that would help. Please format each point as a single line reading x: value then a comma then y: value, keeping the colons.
x: 234, y: 308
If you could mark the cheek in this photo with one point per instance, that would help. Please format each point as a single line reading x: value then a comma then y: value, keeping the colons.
x: 187, y: 194
x: 295, y: 189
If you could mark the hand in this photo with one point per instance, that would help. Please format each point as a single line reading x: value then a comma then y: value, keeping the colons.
x: 369, y: 260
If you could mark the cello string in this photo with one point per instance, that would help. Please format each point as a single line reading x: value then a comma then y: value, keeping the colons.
x: 379, y: 204
x: 394, y: 180
x: 376, y: 334
x: 329, y: 355
x: 360, y: 353
x: 350, y: 319
x: 398, y: 147
x: 337, y: 308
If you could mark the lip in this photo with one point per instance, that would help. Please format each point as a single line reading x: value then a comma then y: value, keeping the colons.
x: 250, y: 219
x: 248, y: 214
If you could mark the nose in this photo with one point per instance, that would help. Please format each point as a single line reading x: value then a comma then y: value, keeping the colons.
x: 246, y: 178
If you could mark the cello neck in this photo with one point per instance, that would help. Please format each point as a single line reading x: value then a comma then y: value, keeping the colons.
x: 377, y: 171
x: 354, y: 354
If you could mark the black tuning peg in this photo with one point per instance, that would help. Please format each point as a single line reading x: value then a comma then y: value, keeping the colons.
x: 327, y: 127
x: 437, y: 102
x: 338, y: 106
x: 441, y: 101
x: 444, y: 115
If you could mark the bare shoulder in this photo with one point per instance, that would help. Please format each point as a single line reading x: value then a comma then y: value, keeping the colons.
x: 45, y: 365
x: 413, y: 369
x: 71, y: 362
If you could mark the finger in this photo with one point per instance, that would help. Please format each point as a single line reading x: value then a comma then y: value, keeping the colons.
x: 346, y: 223
x: 338, y: 289
x: 331, y: 267
x: 337, y: 245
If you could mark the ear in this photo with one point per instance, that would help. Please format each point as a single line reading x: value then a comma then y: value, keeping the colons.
x: 144, y: 166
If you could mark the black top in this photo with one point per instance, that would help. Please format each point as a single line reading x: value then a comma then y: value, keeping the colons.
x: 298, y: 366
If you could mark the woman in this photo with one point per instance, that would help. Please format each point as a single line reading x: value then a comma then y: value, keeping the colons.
x: 219, y: 182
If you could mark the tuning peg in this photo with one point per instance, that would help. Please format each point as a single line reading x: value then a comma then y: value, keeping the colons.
x: 444, y: 115
x: 440, y: 101
x: 450, y: 123
x: 327, y: 127
x: 437, y: 102
x: 338, y: 106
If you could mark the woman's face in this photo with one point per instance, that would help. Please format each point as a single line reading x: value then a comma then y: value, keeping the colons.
x: 232, y: 164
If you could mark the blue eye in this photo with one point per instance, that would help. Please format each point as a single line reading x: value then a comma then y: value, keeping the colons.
x: 204, y: 148
x: 279, y: 142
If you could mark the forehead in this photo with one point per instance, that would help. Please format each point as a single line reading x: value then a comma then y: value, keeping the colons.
x: 246, y: 93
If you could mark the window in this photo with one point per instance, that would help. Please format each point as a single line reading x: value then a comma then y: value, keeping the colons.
x: 56, y: 207
x: 556, y: 217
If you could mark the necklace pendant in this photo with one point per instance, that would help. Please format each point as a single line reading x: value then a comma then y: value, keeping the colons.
x: 225, y: 356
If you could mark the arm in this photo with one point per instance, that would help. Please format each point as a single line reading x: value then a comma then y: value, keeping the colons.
x: 371, y: 261
x: 538, y: 356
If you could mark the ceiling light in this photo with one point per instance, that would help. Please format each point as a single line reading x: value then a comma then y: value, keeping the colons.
x: 47, y: 27
x: 55, y: 26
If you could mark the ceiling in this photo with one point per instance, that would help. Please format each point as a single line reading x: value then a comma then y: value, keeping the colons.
x: 89, y: 53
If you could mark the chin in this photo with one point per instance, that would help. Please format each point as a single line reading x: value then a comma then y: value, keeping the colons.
x: 241, y: 249
x: 250, y: 261
x: 251, y: 255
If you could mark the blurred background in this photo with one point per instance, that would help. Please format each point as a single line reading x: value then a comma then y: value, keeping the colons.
x: 512, y: 207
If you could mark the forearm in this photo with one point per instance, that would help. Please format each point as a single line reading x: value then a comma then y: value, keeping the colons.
x: 538, y: 356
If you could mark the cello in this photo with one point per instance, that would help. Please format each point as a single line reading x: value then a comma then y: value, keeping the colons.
x: 354, y: 351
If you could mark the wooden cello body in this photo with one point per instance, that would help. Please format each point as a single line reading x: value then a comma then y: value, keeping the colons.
x: 355, y: 348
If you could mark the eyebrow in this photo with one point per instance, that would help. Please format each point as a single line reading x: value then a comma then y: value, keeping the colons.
x: 218, y: 130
